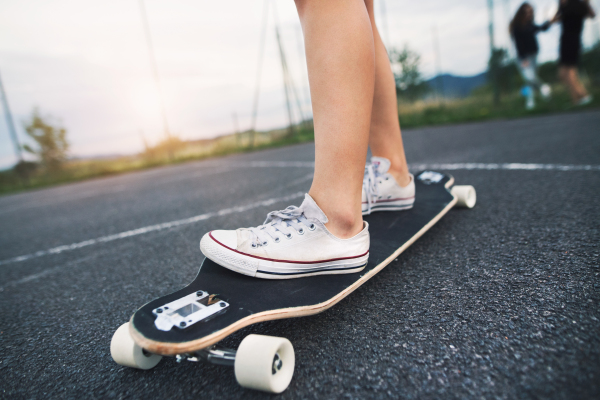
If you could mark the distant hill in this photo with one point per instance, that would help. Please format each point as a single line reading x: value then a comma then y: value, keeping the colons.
x: 456, y: 86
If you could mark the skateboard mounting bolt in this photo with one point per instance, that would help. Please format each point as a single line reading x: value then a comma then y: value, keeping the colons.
x: 199, y: 293
x: 182, y: 324
x: 277, y: 364
x: 159, y: 310
x: 222, y: 304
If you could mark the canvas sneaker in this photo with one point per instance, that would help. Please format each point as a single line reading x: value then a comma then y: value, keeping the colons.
x: 585, y: 100
x: 292, y: 243
x: 380, y: 190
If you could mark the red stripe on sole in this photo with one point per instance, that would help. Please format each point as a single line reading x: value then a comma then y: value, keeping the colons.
x: 284, y: 261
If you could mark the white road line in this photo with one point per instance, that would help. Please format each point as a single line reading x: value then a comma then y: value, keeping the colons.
x: 506, y: 166
x: 280, y: 164
x: 291, y: 164
x: 151, y: 228
x: 446, y: 166
x: 60, y: 195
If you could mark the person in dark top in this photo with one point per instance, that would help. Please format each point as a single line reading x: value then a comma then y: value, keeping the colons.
x: 571, y: 14
x: 523, y: 31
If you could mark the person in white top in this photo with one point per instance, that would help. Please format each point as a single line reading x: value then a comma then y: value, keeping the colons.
x: 354, y: 107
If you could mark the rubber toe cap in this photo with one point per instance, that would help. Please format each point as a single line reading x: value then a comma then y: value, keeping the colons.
x: 227, y: 238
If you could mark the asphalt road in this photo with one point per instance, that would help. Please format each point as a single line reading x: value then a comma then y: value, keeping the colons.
x: 501, y: 301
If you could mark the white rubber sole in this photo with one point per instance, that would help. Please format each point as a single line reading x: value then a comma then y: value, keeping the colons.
x: 267, y: 269
x: 334, y: 270
x: 388, y: 207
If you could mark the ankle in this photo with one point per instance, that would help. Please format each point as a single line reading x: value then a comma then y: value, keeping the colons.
x: 344, y: 225
x: 398, y: 168
x: 402, y: 176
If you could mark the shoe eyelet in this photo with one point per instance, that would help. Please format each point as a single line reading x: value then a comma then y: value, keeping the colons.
x: 389, y: 197
x: 288, y: 236
x: 312, y: 227
x: 265, y: 243
x: 253, y: 245
x: 301, y: 231
x: 379, y: 197
x: 277, y: 240
x: 387, y: 179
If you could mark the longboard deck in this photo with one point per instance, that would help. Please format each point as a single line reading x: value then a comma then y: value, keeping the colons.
x: 252, y: 300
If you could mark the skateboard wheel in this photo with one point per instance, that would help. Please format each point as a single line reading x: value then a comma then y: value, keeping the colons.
x: 126, y: 352
x: 465, y: 196
x: 264, y: 363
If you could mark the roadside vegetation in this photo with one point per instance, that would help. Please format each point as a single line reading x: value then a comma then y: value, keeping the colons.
x: 418, y: 106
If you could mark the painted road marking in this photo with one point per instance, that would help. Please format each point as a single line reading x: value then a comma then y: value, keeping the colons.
x: 151, y: 228
x: 447, y: 166
x: 506, y: 166
x: 291, y: 164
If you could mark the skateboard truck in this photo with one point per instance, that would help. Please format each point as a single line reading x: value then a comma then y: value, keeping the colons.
x: 215, y: 354
x: 186, y: 311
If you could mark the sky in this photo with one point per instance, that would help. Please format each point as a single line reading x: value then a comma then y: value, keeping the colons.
x: 86, y: 64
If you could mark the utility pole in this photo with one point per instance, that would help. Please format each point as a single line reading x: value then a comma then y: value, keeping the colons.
x: 509, y: 46
x: 304, y: 78
x: 384, y: 21
x: 596, y: 22
x: 285, y: 80
x: 490, y: 4
x: 438, y: 62
x: 154, y: 68
x: 261, y: 53
x: 493, y: 70
x: 288, y: 82
x: 10, y: 123
x: 236, y: 128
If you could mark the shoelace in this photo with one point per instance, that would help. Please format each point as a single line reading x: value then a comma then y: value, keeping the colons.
x: 370, y: 185
x: 280, y: 224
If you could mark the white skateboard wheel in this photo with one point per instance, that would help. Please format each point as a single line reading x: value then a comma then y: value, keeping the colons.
x: 264, y: 363
x: 465, y: 196
x: 126, y: 352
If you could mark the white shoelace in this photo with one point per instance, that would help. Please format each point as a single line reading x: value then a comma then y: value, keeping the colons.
x: 279, y: 225
x: 371, y: 185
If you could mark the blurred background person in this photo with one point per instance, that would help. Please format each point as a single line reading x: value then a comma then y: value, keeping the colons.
x: 523, y: 31
x: 571, y: 14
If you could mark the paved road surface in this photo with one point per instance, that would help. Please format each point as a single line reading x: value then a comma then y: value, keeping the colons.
x: 502, y: 301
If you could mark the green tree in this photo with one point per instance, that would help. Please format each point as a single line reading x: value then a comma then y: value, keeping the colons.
x: 51, y: 141
x: 503, y: 73
x: 409, y: 81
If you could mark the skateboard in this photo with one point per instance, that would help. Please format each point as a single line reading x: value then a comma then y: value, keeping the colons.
x: 189, y: 323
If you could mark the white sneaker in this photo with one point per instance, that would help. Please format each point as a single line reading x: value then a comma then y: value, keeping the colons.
x: 381, y: 192
x: 291, y: 243
x: 546, y: 91
x: 585, y: 100
x: 530, y: 104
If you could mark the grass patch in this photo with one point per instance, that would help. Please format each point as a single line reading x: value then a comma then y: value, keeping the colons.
x: 81, y: 169
x: 480, y: 107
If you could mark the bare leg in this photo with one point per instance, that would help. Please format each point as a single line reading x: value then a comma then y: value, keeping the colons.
x: 577, y: 83
x: 565, y: 76
x: 571, y: 80
x: 385, y: 138
x: 341, y: 69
